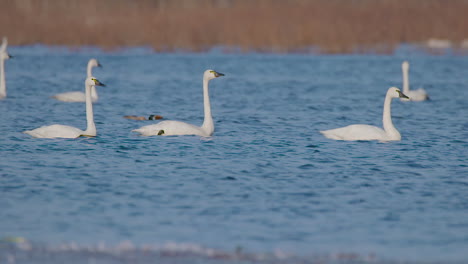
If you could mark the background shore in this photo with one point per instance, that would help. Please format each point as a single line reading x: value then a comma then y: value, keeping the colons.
x: 331, y: 26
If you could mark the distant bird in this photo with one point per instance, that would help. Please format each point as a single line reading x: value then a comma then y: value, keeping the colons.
x: 367, y: 132
x: 73, y: 97
x: 439, y: 44
x: 61, y: 131
x: 170, y: 127
x: 3, y: 56
x: 151, y: 117
x: 414, y: 95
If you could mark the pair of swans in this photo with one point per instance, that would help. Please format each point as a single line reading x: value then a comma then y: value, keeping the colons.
x: 3, y: 57
x: 165, y: 128
x: 62, y: 131
x: 73, y: 97
x: 389, y: 133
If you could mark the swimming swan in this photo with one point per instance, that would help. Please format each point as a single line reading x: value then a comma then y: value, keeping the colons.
x: 169, y: 127
x: 61, y: 131
x: 414, y: 95
x: 73, y: 97
x: 3, y: 56
x: 367, y: 132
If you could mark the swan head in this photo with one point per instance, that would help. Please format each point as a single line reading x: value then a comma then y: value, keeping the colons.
x: 211, y: 74
x: 396, y: 93
x: 405, y: 65
x: 4, y: 55
x: 91, y: 81
x: 94, y: 63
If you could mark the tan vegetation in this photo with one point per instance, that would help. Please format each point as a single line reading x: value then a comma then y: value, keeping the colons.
x: 332, y: 26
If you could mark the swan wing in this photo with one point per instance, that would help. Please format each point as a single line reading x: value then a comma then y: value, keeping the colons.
x: 55, y: 131
x: 170, y: 128
x: 356, y: 132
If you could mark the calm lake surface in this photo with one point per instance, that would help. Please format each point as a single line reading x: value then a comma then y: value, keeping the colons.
x: 266, y: 181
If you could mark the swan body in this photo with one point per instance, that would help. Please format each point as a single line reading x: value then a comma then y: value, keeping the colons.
x: 61, y: 131
x: 56, y: 131
x: 3, y: 57
x: 173, y: 128
x: 414, y: 95
x: 72, y: 97
x: 367, y: 132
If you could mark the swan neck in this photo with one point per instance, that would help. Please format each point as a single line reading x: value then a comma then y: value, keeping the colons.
x: 2, y: 78
x: 391, y: 131
x: 208, y: 125
x: 89, y: 70
x: 91, y: 127
x: 405, y: 80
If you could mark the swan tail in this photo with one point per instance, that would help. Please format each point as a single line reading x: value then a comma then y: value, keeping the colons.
x: 330, y: 134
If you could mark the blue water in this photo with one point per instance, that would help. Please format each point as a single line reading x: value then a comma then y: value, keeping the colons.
x: 266, y: 180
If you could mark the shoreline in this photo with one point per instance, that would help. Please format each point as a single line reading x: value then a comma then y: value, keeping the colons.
x: 331, y: 27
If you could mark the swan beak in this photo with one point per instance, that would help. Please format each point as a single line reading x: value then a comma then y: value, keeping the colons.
x: 218, y: 74
x: 98, y: 83
x: 99, y: 65
x: 10, y: 56
x: 402, y: 95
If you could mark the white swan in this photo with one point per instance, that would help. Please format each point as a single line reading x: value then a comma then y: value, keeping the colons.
x: 3, y: 56
x: 73, y: 97
x: 61, y: 131
x: 168, y: 128
x: 414, y: 95
x: 367, y: 132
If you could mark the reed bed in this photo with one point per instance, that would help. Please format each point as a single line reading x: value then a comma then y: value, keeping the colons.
x: 326, y: 26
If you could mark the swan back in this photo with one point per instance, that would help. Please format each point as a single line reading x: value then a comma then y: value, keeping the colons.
x: 172, y: 128
x: 55, y: 131
x: 356, y: 132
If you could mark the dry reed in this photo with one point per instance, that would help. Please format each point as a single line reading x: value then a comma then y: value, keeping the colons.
x: 332, y: 26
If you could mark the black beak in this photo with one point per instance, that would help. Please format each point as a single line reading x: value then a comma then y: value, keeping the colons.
x: 98, y: 83
x: 218, y: 74
x: 10, y: 56
x: 402, y: 95
x: 99, y: 65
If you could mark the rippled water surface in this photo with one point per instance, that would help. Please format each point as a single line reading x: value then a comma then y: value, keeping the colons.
x: 267, y: 180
